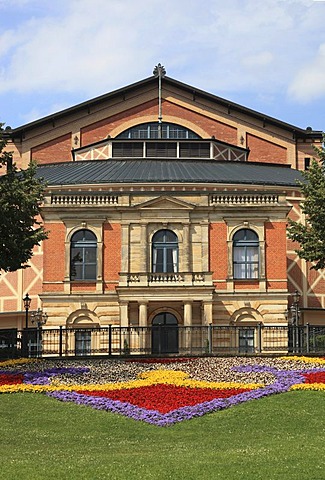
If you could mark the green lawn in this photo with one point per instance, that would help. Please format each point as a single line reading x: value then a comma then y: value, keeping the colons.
x: 279, y: 437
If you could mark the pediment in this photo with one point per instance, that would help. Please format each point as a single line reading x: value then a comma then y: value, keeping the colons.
x: 165, y: 203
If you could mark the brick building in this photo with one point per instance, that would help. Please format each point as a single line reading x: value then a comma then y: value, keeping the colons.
x: 165, y: 205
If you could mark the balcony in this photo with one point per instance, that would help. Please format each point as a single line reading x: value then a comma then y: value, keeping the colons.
x: 172, y: 279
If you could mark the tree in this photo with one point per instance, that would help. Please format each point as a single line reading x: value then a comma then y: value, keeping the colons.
x: 311, y: 235
x: 21, y: 194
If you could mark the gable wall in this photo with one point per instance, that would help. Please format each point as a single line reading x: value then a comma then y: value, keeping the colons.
x: 53, y: 141
x: 200, y: 124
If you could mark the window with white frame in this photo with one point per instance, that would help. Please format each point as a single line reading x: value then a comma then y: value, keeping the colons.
x: 83, y: 255
x: 164, y: 252
x: 245, y: 254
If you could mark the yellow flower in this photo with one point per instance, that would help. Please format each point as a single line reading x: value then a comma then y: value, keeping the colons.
x: 17, y: 361
x: 319, y: 361
x: 169, y: 377
x: 308, y: 386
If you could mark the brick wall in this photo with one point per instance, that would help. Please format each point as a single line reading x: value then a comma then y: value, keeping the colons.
x: 99, y: 130
x: 54, y: 255
x: 54, y: 151
x: 264, y: 151
x: 219, y: 252
x: 275, y: 251
x: 111, y: 254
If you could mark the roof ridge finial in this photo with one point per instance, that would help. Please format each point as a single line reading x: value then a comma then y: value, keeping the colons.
x: 159, y: 70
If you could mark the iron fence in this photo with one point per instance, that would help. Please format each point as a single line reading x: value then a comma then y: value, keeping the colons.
x: 162, y: 340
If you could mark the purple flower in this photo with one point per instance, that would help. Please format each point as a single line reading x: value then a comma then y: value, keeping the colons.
x: 283, y: 380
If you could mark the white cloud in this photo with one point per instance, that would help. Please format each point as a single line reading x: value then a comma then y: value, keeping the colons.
x: 261, y: 59
x: 309, y: 83
x: 89, y: 48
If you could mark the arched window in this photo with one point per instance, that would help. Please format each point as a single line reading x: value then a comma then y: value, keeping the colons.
x: 164, y: 252
x: 83, y: 256
x: 150, y: 130
x: 245, y: 254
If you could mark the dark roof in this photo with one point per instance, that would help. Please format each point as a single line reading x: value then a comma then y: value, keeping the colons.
x: 166, y: 171
x: 195, y: 92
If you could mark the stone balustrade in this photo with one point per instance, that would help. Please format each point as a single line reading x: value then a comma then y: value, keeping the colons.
x: 165, y: 279
x: 243, y: 199
x: 84, y: 199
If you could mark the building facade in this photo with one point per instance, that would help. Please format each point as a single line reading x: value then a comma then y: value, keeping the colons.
x: 165, y: 205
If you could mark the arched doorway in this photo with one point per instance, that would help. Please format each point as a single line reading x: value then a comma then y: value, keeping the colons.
x: 165, y: 333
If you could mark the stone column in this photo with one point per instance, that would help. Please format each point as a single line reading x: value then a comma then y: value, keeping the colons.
x: 187, y: 314
x: 205, y: 246
x: 262, y: 267
x: 125, y: 247
x: 143, y: 314
x: 143, y: 248
x: 262, y: 259
x: 207, y: 313
x: 187, y: 323
x: 67, y: 283
x: 124, y: 314
x: 99, y: 281
x: 125, y: 333
x: 186, y: 247
x: 143, y: 321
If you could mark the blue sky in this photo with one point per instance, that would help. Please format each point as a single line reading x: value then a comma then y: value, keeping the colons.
x: 268, y: 55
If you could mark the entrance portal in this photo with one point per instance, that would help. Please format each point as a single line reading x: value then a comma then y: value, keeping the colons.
x: 246, y: 340
x: 165, y: 333
x: 83, y: 342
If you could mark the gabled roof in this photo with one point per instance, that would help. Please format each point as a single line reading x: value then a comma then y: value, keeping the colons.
x: 195, y: 92
x: 136, y: 171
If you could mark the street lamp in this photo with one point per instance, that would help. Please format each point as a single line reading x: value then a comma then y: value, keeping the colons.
x: 295, y: 316
x: 40, y: 318
x: 295, y: 310
x: 27, y: 301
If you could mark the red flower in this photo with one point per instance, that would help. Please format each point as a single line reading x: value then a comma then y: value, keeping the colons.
x: 11, y: 378
x: 315, y: 377
x: 164, y: 398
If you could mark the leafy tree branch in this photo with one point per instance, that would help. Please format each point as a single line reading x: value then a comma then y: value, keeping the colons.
x: 21, y: 194
x: 311, y: 234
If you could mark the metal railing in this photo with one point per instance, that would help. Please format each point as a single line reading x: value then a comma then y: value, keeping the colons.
x: 162, y: 340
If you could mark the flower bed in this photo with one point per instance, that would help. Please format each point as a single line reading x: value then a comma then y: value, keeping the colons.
x: 165, y: 361
x: 11, y: 378
x: 164, y: 398
x: 163, y: 391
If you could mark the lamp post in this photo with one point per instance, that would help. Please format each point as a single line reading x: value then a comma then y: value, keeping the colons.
x: 40, y: 318
x: 27, y: 301
x: 295, y: 316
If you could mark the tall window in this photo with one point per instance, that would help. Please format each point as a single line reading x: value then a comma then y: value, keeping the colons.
x: 164, y: 252
x: 246, y: 254
x: 83, y: 256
